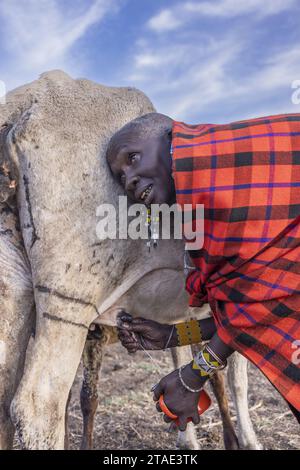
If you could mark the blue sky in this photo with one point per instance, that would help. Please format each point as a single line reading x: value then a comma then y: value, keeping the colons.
x: 198, y: 61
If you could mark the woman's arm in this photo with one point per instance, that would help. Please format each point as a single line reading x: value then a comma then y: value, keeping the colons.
x: 139, y: 333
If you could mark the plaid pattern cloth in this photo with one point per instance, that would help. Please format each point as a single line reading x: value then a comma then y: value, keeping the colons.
x: 247, y: 175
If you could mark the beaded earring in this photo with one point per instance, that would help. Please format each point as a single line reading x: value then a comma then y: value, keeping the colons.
x: 152, y: 223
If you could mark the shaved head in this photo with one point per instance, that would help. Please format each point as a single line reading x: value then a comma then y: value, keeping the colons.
x: 151, y: 125
x: 139, y: 157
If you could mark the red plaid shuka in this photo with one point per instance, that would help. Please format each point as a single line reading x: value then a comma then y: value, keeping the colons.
x: 247, y: 175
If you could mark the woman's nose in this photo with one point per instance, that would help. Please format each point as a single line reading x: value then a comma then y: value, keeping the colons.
x: 131, y: 183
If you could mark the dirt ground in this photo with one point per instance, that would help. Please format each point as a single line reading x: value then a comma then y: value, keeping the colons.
x: 127, y: 418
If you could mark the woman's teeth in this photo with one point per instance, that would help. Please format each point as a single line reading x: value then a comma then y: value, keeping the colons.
x: 146, y: 192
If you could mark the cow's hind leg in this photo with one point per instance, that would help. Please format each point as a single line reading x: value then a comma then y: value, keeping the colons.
x: 218, y: 386
x: 186, y: 439
x: 89, y: 398
x: 16, y: 316
x: 67, y: 430
x: 38, y: 408
x: 238, y: 383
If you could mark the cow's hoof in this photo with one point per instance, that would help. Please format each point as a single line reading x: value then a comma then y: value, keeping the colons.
x: 187, y: 440
x: 231, y: 442
x: 248, y: 441
x: 255, y: 445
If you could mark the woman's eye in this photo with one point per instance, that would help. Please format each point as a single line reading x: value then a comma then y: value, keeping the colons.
x: 132, y: 157
x: 123, y: 179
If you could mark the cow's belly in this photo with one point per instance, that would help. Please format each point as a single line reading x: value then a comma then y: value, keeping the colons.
x: 159, y: 295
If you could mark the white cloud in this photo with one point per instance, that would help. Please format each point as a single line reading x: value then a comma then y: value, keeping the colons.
x: 209, y: 82
x: 196, y: 72
x: 148, y: 60
x: 182, y: 78
x: 184, y: 12
x: 232, y: 8
x: 162, y: 56
x: 164, y: 21
x: 40, y: 34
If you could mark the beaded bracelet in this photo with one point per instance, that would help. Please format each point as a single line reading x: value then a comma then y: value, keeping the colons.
x: 184, y: 384
x: 206, y: 362
x: 213, y: 354
x: 188, y: 332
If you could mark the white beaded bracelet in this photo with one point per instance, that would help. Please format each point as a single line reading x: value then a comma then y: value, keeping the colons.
x: 184, y: 384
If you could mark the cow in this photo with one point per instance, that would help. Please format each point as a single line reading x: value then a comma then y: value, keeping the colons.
x: 56, y: 276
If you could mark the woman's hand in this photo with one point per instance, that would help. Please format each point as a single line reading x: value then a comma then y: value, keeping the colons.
x: 138, y: 333
x: 180, y: 401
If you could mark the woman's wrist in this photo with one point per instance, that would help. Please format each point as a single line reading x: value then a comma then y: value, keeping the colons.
x: 170, y: 336
x: 192, y: 378
x: 222, y: 350
x: 174, y: 337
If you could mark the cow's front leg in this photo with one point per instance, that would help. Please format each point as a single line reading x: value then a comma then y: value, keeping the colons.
x: 186, y: 439
x: 238, y: 383
x: 38, y: 408
x: 16, y: 316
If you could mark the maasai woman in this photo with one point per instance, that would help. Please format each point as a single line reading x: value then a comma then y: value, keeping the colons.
x: 247, y: 175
